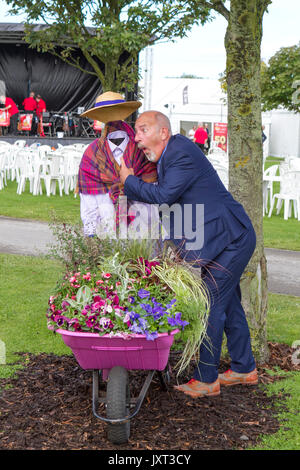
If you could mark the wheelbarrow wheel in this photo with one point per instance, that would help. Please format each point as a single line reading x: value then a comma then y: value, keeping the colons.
x: 118, y: 405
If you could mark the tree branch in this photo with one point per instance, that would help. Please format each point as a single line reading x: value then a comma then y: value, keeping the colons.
x: 219, y: 7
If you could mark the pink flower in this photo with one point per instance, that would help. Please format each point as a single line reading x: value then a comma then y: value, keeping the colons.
x: 75, y: 324
x: 72, y: 279
x: 87, y: 276
x: 118, y: 312
x: 98, y: 305
x: 92, y: 322
x: 106, y: 275
x: 99, y: 282
x: 127, y: 319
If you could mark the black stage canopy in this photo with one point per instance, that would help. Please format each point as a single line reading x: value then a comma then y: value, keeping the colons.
x: 61, y: 86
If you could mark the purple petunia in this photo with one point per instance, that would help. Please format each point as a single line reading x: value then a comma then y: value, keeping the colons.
x: 143, y: 294
x: 176, y: 321
x: 151, y: 336
x: 170, y: 305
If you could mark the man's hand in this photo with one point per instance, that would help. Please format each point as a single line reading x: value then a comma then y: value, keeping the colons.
x: 124, y: 171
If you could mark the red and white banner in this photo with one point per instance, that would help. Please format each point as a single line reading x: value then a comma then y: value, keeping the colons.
x: 4, y: 118
x: 26, y: 122
x: 220, y: 135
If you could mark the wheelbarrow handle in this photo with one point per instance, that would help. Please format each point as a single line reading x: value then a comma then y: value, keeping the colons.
x: 116, y: 348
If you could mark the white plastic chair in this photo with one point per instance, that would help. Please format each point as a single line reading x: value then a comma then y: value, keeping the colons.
x: 20, y: 143
x: 2, y: 169
x: 289, y: 195
x: 54, y: 175
x: 6, y: 149
x: 25, y: 171
x: 294, y: 163
x: 269, y: 175
x: 223, y: 174
x: 80, y: 147
x: 74, y: 171
x: 70, y: 158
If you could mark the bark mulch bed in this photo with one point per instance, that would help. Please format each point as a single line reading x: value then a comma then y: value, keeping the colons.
x: 48, y: 406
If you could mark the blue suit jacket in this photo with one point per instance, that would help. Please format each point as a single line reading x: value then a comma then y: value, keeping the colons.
x: 187, y: 178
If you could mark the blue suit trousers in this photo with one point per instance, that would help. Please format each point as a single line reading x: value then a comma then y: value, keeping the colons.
x: 222, y: 278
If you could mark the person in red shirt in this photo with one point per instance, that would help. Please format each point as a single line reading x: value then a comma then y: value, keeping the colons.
x: 200, y: 136
x: 13, y: 110
x: 40, y: 109
x: 41, y: 106
x: 30, y: 104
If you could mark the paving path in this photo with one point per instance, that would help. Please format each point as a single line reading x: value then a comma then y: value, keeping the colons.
x: 27, y: 237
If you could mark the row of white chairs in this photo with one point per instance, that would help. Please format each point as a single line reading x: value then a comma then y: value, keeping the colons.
x: 287, y: 174
x: 38, y: 164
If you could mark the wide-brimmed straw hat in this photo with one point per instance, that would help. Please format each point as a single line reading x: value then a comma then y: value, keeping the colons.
x: 111, y: 106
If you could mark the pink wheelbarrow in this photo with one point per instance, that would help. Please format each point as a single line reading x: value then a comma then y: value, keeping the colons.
x: 114, y: 356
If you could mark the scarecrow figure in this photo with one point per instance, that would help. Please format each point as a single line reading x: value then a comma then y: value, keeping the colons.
x: 99, y: 184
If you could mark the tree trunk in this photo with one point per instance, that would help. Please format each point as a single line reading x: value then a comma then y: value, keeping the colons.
x: 243, y: 42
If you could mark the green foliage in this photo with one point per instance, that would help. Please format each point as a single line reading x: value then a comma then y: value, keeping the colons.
x: 192, y: 300
x: 118, y: 32
x: 287, y: 437
x: 280, y: 80
x: 78, y: 252
x: 283, y: 319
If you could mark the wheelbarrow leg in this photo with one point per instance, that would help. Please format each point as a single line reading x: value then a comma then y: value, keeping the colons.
x: 164, y: 377
x: 95, y: 391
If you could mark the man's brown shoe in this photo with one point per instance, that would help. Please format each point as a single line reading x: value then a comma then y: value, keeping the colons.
x: 197, y: 389
x: 235, y: 378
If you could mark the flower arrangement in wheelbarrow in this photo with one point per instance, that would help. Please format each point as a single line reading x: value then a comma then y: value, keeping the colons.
x: 127, y: 298
x: 101, y: 303
x: 99, y: 290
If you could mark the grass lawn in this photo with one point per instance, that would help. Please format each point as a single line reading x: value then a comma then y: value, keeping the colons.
x: 26, y: 284
x: 283, y: 319
x: 27, y: 206
x: 280, y: 233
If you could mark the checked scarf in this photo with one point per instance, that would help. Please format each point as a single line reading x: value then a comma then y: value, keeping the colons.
x: 99, y: 171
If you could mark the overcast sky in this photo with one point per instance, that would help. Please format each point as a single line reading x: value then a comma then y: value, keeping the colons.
x: 202, y: 52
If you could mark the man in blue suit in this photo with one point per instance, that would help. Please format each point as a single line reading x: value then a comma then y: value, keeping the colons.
x: 186, y: 178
